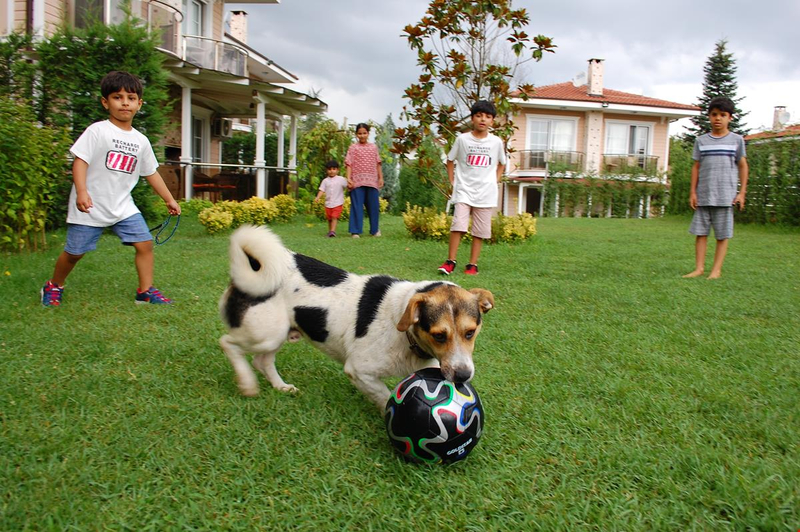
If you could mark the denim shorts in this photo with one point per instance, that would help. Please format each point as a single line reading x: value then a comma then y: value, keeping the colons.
x: 83, y: 238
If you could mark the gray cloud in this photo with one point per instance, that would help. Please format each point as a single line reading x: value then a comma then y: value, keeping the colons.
x: 353, y: 52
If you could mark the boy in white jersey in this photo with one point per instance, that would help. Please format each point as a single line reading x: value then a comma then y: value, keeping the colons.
x: 109, y: 158
x: 719, y: 161
x: 475, y: 167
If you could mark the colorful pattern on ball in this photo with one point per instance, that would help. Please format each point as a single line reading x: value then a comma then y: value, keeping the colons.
x: 430, y: 419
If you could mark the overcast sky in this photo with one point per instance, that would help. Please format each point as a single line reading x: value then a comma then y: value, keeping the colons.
x: 352, y: 52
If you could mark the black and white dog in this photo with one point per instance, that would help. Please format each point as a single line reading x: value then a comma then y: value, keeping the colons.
x: 375, y: 325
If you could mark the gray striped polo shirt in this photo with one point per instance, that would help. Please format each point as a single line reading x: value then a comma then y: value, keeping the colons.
x: 719, y: 173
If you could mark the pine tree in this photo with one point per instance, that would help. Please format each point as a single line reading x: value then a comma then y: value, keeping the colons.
x: 719, y: 80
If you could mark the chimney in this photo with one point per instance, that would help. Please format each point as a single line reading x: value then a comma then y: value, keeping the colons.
x: 780, y: 118
x: 595, y: 77
x: 239, y: 26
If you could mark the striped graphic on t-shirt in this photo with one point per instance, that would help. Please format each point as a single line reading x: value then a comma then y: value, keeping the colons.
x: 724, y: 150
x: 121, y: 162
x: 479, y: 160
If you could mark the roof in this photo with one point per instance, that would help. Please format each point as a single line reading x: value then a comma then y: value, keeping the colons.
x: 788, y: 131
x: 569, y: 92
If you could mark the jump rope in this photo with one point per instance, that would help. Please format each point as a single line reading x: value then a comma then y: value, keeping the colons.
x: 163, y: 226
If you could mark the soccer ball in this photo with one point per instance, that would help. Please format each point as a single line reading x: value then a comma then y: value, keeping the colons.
x: 430, y: 419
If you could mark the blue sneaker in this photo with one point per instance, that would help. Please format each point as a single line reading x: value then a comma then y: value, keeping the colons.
x: 51, y: 294
x: 153, y: 295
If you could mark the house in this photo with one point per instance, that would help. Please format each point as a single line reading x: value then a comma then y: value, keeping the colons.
x: 582, y: 128
x: 780, y: 132
x: 215, y: 78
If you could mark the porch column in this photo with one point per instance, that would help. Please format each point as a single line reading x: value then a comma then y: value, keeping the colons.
x: 281, y: 137
x: 261, y: 189
x: 293, y: 143
x: 521, y: 189
x: 186, y: 140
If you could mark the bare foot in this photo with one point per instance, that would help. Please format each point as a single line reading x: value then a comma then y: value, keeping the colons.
x: 714, y: 275
x: 696, y: 273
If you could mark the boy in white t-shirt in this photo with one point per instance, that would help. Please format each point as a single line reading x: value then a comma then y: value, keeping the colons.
x: 109, y: 158
x: 332, y: 187
x: 475, y: 167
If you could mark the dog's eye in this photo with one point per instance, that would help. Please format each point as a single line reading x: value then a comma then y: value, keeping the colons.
x: 469, y: 334
x: 440, y: 337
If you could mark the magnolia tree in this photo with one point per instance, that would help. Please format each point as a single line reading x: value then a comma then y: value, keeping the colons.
x: 468, y: 50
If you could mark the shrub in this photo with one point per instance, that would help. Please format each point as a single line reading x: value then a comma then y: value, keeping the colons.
x: 427, y: 222
x: 286, y: 205
x: 215, y: 219
x: 32, y: 167
x: 194, y: 206
x: 262, y: 211
x: 513, y: 228
x: 430, y: 223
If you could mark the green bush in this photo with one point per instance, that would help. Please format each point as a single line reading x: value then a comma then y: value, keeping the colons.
x: 286, y: 205
x: 257, y: 211
x: 215, y: 219
x: 413, y: 191
x: 428, y: 223
x: 33, y: 165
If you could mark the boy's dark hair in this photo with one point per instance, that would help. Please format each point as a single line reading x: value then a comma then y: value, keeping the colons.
x: 482, y: 106
x: 331, y: 164
x: 117, y: 80
x: 721, y: 103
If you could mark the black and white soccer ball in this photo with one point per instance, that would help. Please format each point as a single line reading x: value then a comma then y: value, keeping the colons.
x: 430, y: 419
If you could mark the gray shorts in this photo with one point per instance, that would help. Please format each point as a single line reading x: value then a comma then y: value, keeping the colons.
x: 720, y: 218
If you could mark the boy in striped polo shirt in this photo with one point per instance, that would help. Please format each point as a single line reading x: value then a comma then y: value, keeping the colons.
x: 719, y: 162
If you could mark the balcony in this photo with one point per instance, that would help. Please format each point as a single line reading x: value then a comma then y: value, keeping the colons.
x: 211, y: 54
x: 630, y: 164
x: 552, y: 160
x: 166, y: 20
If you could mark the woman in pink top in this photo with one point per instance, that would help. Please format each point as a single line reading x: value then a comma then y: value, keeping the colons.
x: 364, y: 178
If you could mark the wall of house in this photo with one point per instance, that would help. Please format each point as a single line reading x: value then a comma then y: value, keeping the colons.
x: 18, y: 24
x: 217, y: 20
x: 55, y: 12
x: 512, y: 198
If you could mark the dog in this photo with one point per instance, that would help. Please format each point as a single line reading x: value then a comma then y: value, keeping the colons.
x: 376, y: 326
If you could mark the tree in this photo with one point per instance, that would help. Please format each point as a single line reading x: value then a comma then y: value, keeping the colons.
x: 389, y: 167
x: 719, y: 80
x: 323, y: 142
x: 469, y: 50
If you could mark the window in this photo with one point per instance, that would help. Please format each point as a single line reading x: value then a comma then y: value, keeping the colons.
x: 106, y: 11
x: 198, y: 126
x: 549, y: 135
x: 194, y: 12
x: 627, y: 139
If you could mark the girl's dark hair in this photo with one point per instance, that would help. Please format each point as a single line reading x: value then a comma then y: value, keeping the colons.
x: 482, y: 106
x: 722, y: 103
x: 362, y: 124
x: 116, y: 80
x: 331, y: 164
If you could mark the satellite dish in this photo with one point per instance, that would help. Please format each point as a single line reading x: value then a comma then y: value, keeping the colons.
x: 579, y: 79
x: 784, y: 117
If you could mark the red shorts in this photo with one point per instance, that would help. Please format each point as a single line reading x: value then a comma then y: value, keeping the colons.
x: 333, y: 213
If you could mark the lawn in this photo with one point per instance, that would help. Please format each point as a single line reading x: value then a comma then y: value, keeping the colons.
x: 618, y: 395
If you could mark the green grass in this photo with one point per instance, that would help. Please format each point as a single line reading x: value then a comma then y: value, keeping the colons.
x: 618, y: 395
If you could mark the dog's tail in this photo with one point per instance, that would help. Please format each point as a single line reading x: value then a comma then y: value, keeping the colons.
x: 259, y: 261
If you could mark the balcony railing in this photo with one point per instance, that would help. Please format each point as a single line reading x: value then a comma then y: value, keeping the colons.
x: 211, y: 54
x: 569, y: 161
x: 630, y: 164
x: 166, y: 20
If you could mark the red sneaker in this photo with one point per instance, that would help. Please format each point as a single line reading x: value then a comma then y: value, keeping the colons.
x: 471, y: 269
x: 448, y: 267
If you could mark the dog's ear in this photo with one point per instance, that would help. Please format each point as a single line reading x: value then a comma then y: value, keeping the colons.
x: 485, y: 299
x: 411, y: 315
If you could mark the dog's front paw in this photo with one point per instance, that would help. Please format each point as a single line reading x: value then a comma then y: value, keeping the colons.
x: 248, y: 391
x: 287, y: 388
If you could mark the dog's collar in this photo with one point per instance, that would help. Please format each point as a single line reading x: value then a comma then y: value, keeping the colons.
x: 415, y: 348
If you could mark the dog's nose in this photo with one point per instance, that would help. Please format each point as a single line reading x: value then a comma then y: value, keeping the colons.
x: 462, y: 375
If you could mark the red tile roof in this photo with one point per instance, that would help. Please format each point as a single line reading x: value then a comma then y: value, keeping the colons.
x: 568, y: 91
x: 788, y: 131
